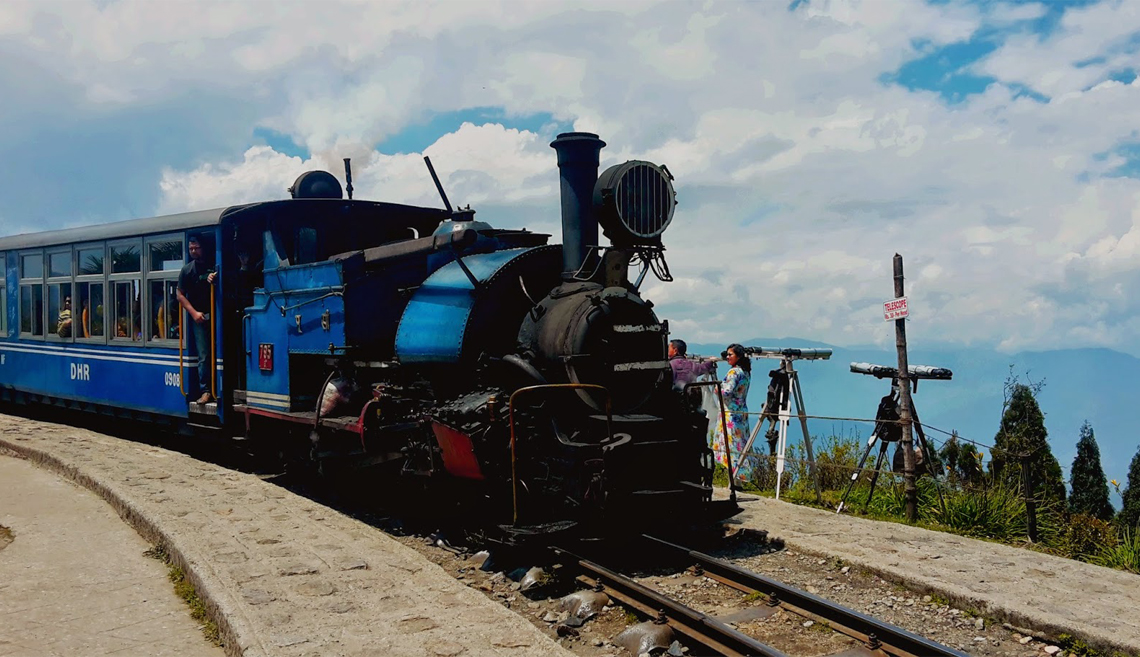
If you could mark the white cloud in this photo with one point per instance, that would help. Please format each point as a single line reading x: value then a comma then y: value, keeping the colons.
x: 1089, y: 43
x: 476, y: 164
x: 800, y: 173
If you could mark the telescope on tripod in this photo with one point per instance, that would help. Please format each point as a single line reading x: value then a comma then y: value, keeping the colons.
x: 916, y: 372
x: 793, y: 353
x: 783, y: 388
x: 887, y: 426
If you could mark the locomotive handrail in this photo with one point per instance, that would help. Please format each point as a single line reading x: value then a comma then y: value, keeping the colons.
x: 181, y: 334
x: 724, y: 430
x: 213, y: 347
x: 247, y: 336
x: 511, y: 408
x: 337, y: 291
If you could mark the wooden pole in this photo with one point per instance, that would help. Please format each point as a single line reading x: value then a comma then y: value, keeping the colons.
x: 909, y: 488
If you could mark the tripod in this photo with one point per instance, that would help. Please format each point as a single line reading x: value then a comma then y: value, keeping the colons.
x: 887, y: 431
x: 784, y: 387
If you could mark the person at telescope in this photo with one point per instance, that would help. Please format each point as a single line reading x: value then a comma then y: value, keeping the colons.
x: 734, y: 391
x: 686, y: 370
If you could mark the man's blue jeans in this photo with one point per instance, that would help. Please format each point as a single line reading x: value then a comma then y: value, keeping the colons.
x: 200, y: 346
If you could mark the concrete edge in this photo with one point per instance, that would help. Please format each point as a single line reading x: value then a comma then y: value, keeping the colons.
x: 962, y: 597
x: 234, y: 630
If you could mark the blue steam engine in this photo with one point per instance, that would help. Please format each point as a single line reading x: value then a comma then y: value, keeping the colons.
x: 533, y: 376
x: 528, y: 380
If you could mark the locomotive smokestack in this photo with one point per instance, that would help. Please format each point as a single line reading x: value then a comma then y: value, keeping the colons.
x: 578, y: 171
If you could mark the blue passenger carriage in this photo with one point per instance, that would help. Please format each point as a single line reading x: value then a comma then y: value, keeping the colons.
x: 91, y: 319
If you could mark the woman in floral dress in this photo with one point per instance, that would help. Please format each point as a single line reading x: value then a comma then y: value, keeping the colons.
x: 734, y: 390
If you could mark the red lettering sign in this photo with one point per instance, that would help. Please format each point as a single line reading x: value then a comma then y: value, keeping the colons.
x: 895, y: 309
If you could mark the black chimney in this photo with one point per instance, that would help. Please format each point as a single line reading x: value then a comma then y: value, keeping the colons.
x: 578, y: 170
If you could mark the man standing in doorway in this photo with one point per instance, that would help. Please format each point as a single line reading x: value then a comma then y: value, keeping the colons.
x: 194, y: 296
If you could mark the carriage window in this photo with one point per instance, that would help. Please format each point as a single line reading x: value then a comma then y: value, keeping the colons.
x: 127, y: 310
x: 165, y: 256
x: 59, y: 309
x: 32, y: 309
x: 164, y: 260
x: 59, y: 264
x: 91, y: 311
x: 163, y: 310
x: 32, y: 266
x: 125, y: 259
x: 90, y: 261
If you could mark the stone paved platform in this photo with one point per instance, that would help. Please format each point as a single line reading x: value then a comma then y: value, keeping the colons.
x: 1028, y: 589
x: 55, y: 599
x: 282, y: 575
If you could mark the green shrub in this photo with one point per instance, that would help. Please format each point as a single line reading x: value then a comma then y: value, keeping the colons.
x: 1086, y: 536
x: 996, y: 512
x: 1122, y: 554
x: 835, y: 457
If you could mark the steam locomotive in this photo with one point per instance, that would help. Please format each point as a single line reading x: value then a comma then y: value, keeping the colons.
x: 527, y: 379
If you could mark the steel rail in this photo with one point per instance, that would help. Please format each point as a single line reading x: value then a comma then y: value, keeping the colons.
x: 696, y: 626
x: 876, y: 634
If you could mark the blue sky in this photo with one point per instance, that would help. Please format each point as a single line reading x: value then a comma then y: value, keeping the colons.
x: 993, y: 144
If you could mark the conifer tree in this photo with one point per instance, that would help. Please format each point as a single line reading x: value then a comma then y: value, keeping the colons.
x: 949, y: 453
x: 1130, y: 515
x: 1090, y: 486
x: 961, y: 461
x: 969, y: 465
x: 1022, y: 435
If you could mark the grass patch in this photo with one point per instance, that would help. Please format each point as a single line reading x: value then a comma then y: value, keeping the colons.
x: 629, y: 617
x: 1123, y: 554
x: 822, y: 626
x: 6, y: 537
x: 980, y: 507
x: 753, y: 597
x: 940, y: 599
x: 1074, y: 646
x: 185, y: 590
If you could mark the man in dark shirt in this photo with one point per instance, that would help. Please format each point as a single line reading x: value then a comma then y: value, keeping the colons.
x: 686, y: 371
x: 194, y: 296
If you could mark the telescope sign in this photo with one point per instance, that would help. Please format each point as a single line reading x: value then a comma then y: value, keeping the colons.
x: 895, y: 309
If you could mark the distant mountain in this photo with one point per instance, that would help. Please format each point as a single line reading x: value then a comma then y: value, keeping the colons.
x: 1099, y: 385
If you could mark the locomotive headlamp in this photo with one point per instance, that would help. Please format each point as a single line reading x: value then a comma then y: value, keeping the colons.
x: 634, y: 202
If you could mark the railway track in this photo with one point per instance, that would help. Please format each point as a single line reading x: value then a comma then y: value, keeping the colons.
x: 706, y: 635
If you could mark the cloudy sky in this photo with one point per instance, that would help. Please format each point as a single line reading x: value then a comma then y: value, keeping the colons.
x: 995, y: 145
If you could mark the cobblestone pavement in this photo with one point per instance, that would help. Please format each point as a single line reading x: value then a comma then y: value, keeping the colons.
x: 282, y: 575
x: 1022, y: 587
x: 56, y: 599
